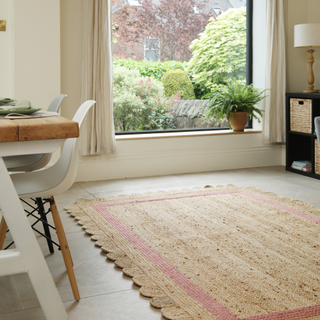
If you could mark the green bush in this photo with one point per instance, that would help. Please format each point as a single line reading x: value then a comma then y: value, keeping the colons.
x: 157, y: 69
x: 177, y: 81
x: 149, y: 69
x: 161, y: 116
x: 199, y: 89
x: 133, y: 98
x: 220, y: 52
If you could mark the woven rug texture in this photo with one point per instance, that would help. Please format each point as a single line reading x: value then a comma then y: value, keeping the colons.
x: 212, y: 253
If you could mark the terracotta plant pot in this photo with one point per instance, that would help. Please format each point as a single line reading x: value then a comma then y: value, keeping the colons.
x: 238, y: 120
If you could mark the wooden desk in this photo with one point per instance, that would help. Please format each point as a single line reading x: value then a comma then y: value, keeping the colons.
x: 37, y: 129
x: 18, y: 137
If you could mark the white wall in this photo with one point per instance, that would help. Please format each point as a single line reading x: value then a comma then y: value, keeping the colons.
x: 6, y: 53
x: 30, y: 50
x: 301, y: 11
x: 258, y: 50
x: 71, y: 53
x: 152, y: 157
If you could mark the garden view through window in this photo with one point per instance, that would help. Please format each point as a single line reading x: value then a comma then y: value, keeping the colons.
x: 168, y: 55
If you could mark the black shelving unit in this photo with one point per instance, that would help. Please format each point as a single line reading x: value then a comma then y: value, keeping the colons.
x: 299, y: 145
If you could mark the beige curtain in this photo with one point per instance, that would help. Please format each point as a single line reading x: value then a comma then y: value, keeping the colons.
x: 273, y: 125
x: 98, y: 134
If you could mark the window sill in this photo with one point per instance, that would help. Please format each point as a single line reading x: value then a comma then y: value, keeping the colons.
x: 183, y: 134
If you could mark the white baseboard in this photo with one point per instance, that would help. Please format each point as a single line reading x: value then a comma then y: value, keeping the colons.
x: 178, y: 156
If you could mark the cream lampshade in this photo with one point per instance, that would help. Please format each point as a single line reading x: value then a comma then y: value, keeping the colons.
x: 308, y: 36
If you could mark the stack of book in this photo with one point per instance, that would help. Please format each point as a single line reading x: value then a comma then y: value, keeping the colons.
x: 303, y: 165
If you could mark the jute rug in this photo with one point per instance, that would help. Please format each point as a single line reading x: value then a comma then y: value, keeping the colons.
x: 213, y: 253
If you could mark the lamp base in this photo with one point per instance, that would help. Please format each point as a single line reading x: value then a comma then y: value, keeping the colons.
x: 311, y: 91
x: 310, y: 73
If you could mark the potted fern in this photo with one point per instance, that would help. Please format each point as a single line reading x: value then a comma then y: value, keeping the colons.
x: 235, y: 101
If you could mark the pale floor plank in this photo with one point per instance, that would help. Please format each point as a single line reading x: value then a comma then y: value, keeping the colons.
x: 105, y: 292
x: 9, y: 297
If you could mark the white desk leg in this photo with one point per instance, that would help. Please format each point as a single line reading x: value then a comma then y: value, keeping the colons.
x: 28, y: 246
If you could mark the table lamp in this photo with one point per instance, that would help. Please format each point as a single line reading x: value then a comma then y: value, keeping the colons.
x: 308, y: 36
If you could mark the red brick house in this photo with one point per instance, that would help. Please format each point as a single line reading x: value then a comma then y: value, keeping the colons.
x: 123, y: 48
x: 145, y: 48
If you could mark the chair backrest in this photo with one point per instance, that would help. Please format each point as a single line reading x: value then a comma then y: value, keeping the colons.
x: 58, y: 178
x: 68, y: 161
x: 317, y: 126
x: 55, y: 104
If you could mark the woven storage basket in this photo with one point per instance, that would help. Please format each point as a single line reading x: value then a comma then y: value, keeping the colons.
x: 316, y: 157
x: 300, y: 115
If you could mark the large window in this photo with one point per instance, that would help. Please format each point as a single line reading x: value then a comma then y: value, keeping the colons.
x: 169, y: 55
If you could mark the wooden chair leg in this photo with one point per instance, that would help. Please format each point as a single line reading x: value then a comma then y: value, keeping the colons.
x: 64, y: 248
x: 3, y: 231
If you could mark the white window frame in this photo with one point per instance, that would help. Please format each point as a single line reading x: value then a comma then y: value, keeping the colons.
x: 147, y: 49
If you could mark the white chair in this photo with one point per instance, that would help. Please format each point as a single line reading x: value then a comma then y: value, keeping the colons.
x: 33, y: 161
x: 52, y: 181
x: 317, y: 126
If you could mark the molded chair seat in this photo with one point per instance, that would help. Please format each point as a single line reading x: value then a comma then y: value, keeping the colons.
x: 52, y: 181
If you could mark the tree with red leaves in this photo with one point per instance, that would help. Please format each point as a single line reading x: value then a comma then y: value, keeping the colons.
x: 173, y: 23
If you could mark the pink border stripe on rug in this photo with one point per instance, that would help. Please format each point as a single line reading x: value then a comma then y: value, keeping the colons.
x: 169, y: 198
x: 295, y: 314
x: 166, y: 267
x: 185, y: 283
x: 280, y: 206
x: 274, y: 204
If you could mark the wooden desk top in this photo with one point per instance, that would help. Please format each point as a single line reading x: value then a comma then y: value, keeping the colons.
x: 37, y: 129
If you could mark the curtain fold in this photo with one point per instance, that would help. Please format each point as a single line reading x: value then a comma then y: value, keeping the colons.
x: 97, y: 136
x: 274, y: 122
